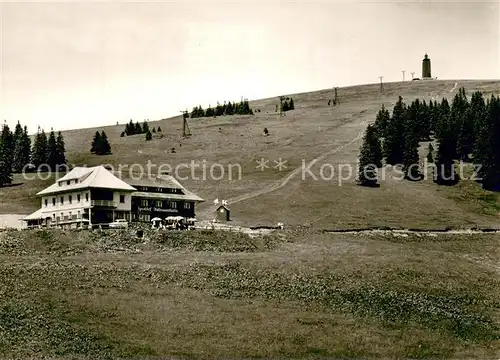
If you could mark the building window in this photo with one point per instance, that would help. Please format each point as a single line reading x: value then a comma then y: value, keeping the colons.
x: 187, y: 205
x: 86, y: 196
x: 122, y: 199
x: 159, y: 203
x: 70, y: 198
x: 144, y: 217
x: 159, y: 190
x: 79, y: 215
x: 70, y: 215
x: 62, y: 199
x: 68, y: 182
x: 144, y: 203
x: 46, y: 202
x: 76, y: 181
x: 54, y: 201
x: 78, y: 197
x: 173, y: 205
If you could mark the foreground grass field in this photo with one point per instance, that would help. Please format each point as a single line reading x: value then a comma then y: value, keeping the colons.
x: 314, y: 131
x: 298, y: 293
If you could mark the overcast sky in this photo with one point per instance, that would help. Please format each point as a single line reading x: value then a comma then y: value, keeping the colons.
x: 75, y: 64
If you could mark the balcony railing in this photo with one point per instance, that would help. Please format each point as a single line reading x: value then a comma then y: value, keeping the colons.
x: 104, y: 203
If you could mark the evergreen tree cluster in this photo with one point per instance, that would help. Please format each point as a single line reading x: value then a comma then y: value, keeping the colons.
x: 100, y: 144
x: 135, y: 128
x: 17, y: 154
x: 47, y: 151
x: 241, y: 108
x: 464, y: 129
x: 287, y: 104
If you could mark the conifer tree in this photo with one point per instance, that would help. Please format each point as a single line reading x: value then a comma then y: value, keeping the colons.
x: 130, y: 128
x: 145, y: 127
x: 445, y: 169
x: 105, y: 145
x: 210, y: 112
x: 122, y: 134
x: 137, y: 128
x: 424, y: 119
x: 229, y: 109
x: 6, y: 155
x: 154, y: 130
x: 490, y: 139
x: 5, y: 166
x: 459, y: 124
x: 432, y: 118
x: 292, y: 105
x: 149, y: 136
x: 52, y: 151
x: 18, y: 132
x: 60, y: 150
x: 478, y: 113
x: 368, y: 158
x: 284, y: 106
x: 96, y: 144
x: 159, y: 129
x: 394, y: 140
x: 40, y: 149
x: 382, y: 121
x: 22, y: 152
x: 8, y: 138
x: 411, y: 137
x: 219, y: 109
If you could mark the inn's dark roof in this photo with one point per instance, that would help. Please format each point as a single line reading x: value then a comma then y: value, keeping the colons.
x: 138, y: 180
x: 188, y: 196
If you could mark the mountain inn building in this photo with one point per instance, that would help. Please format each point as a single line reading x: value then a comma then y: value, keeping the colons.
x: 95, y: 195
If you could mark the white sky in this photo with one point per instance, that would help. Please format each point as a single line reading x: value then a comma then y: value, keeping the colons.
x: 75, y: 64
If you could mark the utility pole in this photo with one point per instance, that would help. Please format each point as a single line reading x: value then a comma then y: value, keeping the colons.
x: 381, y: 85
x: 185, y: 128
x: 281, y: 105
x: 403, y: 75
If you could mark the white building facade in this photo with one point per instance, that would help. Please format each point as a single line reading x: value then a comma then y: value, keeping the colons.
x: 83, y: 197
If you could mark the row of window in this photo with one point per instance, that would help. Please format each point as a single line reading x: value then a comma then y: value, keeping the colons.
x: 159, y: 204
x: 70, y: 199
x: 68, y: 182
x: 68, y: 217
x: 78, y: 198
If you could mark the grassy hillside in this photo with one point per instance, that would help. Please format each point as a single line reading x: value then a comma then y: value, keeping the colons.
x: 211, y: 295
x: 313, y: 130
